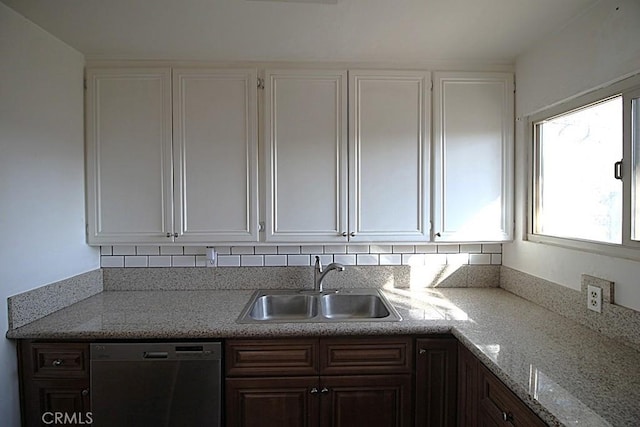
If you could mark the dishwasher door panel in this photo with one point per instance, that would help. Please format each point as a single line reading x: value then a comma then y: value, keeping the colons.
x: 155, y: 386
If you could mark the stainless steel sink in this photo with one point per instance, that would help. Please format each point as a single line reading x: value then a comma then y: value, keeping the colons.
x: 290, y: 306
x: 347, y: 306
x: 283, y: 307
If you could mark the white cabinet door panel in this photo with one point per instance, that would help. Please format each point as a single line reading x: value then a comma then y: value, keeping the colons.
x: 215, y: 155
x: 389, y: 155
x: 306, y: 155
x: 474, y: 156
x: 129, y: 155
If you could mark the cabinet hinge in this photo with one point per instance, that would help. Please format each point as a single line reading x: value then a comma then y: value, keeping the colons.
x: 431, y: 86
x: 260, y: 83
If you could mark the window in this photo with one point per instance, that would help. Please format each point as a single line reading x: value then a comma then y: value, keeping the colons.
x: 586, y: 171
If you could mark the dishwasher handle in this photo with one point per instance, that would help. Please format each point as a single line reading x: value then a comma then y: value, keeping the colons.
x: 155, y: 355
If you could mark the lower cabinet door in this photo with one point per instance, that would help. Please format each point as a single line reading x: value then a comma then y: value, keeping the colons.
x: 365, y: 400
x: 277, y: 402
x: 61, y: 402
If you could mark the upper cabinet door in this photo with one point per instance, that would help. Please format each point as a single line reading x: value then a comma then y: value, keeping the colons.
x: 215, y: 155
x: 389, y: 155
x: 473, y: 128
x: 306, y: 155
x: 129, y: 156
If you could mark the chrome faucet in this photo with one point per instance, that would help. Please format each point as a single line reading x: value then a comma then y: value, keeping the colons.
x: 319, y: 273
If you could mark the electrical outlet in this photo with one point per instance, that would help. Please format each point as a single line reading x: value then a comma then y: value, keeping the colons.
x: 594, y: 298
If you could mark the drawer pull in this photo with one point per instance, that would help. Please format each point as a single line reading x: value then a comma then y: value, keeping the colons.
x: 507, y: 416
x: 324, y: 390
x: 58, y: 362
x: 314, y: 390
x: 85, y: 392
x: 422, y: 351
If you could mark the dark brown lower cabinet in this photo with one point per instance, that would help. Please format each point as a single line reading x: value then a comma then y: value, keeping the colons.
x: 485, y: 401
x: 358, y: 382
x: 54, y: 383
x: 436, y: 371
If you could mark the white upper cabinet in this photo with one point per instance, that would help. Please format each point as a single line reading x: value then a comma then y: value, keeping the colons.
x: 306, y: 155
x: 129, y: 176
x: 473, y: 176
x: 389, y: 155
x: 145, y: 186
x: 215, y: 155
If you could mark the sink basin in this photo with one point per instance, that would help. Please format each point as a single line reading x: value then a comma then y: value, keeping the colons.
x: 290, y: 306
x: 345, y: 306
x: 283, y: 307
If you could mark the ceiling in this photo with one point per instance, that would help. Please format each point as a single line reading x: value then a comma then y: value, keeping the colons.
x: 487, y: 31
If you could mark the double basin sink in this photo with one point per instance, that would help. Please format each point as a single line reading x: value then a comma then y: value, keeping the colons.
x: 283, y: 306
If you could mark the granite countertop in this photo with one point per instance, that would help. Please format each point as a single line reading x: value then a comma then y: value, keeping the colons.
x: 566, y: 373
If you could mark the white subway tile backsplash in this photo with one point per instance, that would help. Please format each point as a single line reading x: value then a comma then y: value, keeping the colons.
x: 358, y: 249
x: 228, y: 260
x: 266, y: 250
x: 288, y: 250
x: 403, y: 249
x: 136, y: 261
x: 298, y: 260
x: 251, y: 260
x: 195, y: 250
x: 183, y: 261
x: 345, y: 259
x: 194, y: 256
x: 471, y: 249
x: 242, y: 250
x: 448, y: 249
x: 413, y: 259
x: 160, y: 261
x: 317, y: 249
x: 148, y: 250
x: 458, y: 259
x: 426, y: 249
x: 390, y: 259
x: 435, y: 259
x: 171, y: 250
x: 480, y: 259
x: 124, y: 250
x: 380, y: 249
x: 367, y: 259
x: 112, y: 261
x: 275, y: 260
x: 492, y: 248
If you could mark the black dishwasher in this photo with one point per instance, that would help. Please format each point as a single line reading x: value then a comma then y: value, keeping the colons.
x: 156, y: 384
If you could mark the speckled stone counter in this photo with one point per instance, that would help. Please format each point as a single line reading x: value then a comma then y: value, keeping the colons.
x: 568, y: 374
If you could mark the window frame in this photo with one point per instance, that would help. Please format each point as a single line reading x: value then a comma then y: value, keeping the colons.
x: 628, y: 88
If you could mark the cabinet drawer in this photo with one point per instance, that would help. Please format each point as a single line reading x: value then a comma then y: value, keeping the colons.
x: 368, y: 355
x: 271, y: 357
x: 67, y: 360
x: 500, y: 404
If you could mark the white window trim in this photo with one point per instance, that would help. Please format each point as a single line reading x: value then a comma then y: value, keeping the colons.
x: 628, y: 249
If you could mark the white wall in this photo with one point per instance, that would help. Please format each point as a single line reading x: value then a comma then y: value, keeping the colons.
x: 597, y: 47
x: 41, y: 174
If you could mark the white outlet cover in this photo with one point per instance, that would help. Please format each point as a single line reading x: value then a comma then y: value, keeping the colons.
x: 594, y: 298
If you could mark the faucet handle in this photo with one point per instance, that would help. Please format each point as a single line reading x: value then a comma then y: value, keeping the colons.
x: 318, y: 263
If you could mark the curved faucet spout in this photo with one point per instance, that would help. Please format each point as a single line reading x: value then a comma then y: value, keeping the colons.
x: 319, y: 274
